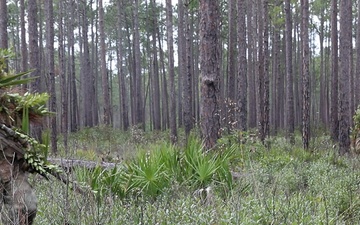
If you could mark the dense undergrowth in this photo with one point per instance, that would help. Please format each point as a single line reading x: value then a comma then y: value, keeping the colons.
x: 157, y: 183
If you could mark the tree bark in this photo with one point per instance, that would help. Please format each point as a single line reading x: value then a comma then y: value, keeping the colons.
x: 289, y: 75
x: 104, y: 75
x: 181, y: 60
x: 266, y: 95
x: 210, y: 71
x: 334, y: 120
x: 242, y: 69
x: 3, y: 25
x: 139, y: 114
x: 252, y: 59
x: 73, y: 92
x: 33, y: 44
x: 187, y: 82
x: 169, y: 25
x: 357, y: 72
x: 123, y: 104
x: 87, y: 79
x: 261, y: 72
x: 24, y: 51
x: 232, y: 62
x: 344, y: 81
x: 62, y: 73
x: 306, y: 73
x: 155, y: 65
x: 50, y: 59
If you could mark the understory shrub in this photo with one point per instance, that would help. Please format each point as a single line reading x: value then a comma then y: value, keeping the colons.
x: 152, y: 171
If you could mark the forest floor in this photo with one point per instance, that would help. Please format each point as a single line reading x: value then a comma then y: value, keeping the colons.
x: 280, y: 184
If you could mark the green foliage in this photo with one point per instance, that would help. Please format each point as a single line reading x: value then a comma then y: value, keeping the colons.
x: 18, y: 110
x: 152, y: 171
x: 355, y: 131
x: 283, y: 184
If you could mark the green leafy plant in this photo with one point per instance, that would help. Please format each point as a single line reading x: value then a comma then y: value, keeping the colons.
x: 149, y: 174
x: 18, y: 110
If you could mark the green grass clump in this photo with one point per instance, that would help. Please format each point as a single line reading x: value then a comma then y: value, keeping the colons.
x: 157, y: 184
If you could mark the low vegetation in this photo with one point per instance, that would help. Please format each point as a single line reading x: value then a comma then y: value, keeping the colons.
x: 241, y: 182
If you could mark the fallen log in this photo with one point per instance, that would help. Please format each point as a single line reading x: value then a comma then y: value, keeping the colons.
x: 69, y: 164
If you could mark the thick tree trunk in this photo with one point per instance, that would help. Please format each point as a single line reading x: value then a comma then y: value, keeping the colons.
x: 344, y: 81
x: 210, y: 71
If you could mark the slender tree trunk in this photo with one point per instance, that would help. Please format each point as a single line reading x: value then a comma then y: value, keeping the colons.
x: 34, y: 58
x: 155, y: 79
x: 289, y: 75
x: 104, y: 75
x: 62, y: 74
x: 357, y: 72
x: 266, y: 95
x: 169, y: 26
x: 195, y: 63
x: 87, y: 79
x: 322, y: 97
x: 3, y: 25
x: 261, y: 72
x: 306, y: 73
x: 73, y: 93
x: 139, y: 114
x: 242, y: 69
x: 123, y: 98
x: 344, y: 85
x: 231, y: 91
x: 252, y: 58
x: 165, y: 93
x: 181, y: 60
x: 24, y: 49
x: 33, y: 44
x: 334, y: 123
x: 276, y: 75
x: 95, y: 61
x: 187, y: 83
x: 49, y: 10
